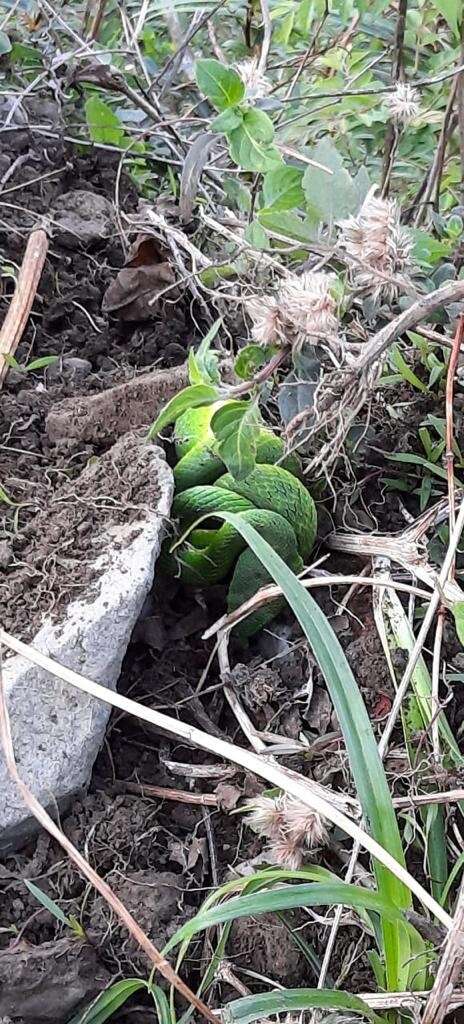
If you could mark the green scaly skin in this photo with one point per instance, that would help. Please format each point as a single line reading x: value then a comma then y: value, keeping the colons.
x: 271, y: 498
x: 197, y: 462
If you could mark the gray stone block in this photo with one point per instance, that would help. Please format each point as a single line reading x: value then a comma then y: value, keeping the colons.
x: 57, y: 730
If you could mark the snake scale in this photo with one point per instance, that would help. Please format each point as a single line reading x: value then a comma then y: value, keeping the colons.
x: 271, y: 498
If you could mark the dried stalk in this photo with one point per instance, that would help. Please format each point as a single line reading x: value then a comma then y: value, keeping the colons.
x: 310, y: 793
x: 21, y: 304
x: 452, y: 291
x: 438, y: 1003
x: 126, y: 918
x: 164, y: 793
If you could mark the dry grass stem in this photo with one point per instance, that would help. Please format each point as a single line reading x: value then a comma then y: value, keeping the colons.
x: 126, y: 918
x: 290, y: 782
x: 21, y: 304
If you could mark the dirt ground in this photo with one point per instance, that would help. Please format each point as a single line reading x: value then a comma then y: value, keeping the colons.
x: 162, y: 857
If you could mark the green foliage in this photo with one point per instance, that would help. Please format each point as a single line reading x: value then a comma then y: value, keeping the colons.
x: 251, y: 358
x: 331, y: 192
x: 236, y: 427
x: 251, y: 144
x: 109, y: 1001
x: 5, y: 44
x: 189, y: 398
x: 282, y: 189
x: 222, y: 86
x: 203, y: 364
x: 70, y: 921
x: 104, y: 125
x: 260, y: 1007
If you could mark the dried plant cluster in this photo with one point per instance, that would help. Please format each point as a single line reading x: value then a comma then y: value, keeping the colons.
x: 378, y: 249
x: 291, y: 828
x: 304, y: 310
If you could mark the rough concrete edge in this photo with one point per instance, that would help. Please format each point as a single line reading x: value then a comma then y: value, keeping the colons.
x: 51, y: 638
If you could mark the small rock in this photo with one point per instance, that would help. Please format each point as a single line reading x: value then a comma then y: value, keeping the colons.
x: 82, y: 218
x: 6, y: 554
x: 69, y: 366
x: 46, y: 984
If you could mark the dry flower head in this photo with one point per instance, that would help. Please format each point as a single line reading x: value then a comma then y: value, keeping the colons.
x: 403, y: 104
x: 303, y: 310
x: 291, y: 828
x: 379, y: 248
x: 256, y: 84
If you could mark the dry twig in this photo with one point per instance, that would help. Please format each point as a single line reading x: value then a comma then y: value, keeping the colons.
x: 129, y: 922
x: 21, y: 304
x: 310, y: 793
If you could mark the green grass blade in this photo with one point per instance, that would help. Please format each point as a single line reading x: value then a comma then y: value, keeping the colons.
x: 365, y: 762
x: 109, y: 1001
x: 48, y: 903
x: 291, y: 1000
x: 289, y: 897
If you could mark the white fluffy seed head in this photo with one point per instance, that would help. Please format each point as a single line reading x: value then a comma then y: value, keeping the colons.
x: 403, y: 104
x: 303, y: 825
x: 290, y: 826
x: 308, y: 306
x: 256, y: 84
x: 378, y: 246
x: 267, y: 328
x: 304, y: 309
x: 286, y: 853
x: 266, y: 816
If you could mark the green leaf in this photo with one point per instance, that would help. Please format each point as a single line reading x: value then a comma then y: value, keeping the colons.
x: 222, y: 86
x: 40, y: 363
x: 104, y: 125
x: 450, y: 11
x: 202, y: 364
x: 366, y: 765
x: 12, y: 362
x: 236, y: 426
x: 417, y: 460
x: 289, y: 897
x: 407, y: 374
x: 256, y: 235
x: 5, y: 44
x: 286, y: 224
x: 237, y: 193
x: 293, y: 1000
x: 189, y: 398
x: 47, y: 902
x: 252, y: 358
x: 226, y: 121
x: 282, y: 188
x: 458, y: 612
x: 251, y: 143
x: 331, y: 194
x: 106, y: 1004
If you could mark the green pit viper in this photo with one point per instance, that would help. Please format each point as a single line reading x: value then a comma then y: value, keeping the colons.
x: 271, y: 498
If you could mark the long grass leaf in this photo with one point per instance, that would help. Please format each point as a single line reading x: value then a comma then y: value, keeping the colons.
x: 291, y: 1000
x: 289, y: 897
x: 365, y: 762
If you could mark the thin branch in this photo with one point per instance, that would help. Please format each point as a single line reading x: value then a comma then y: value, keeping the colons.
x: 267, y: 35
x: 422, y: 635
x: 452, y: 291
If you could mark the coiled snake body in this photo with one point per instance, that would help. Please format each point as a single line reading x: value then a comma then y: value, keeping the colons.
x: 271, y: 498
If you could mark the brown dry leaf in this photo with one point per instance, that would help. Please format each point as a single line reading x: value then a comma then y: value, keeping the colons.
x: 147, y: 273
x: 228, y: 795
